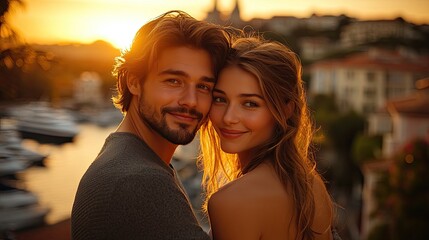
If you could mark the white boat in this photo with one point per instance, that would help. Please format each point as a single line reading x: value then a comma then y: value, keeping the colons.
x: 20, y: 152
x: 9, y: 165
x: 107, y: 117
x: 17, y: 198
x: 11, y: 146
x: 19, y: 209
x: 12, y: 219
x: 44, y: 124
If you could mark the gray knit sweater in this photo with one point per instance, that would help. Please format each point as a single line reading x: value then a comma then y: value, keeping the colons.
x: 128, y: 192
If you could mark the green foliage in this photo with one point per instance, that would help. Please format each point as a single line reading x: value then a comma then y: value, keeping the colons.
x: 337, y: 132
x: 324, y: 103
x: 325, y: 110
x: 365, y: 148
x: 343, y: 130
x: 402, y: 193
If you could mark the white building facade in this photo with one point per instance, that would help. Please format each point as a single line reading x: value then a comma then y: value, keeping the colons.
x: 364, y: 82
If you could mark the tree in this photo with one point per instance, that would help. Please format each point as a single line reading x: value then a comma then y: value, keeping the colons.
x: 402, y: 195
x: 366, y: 148
x: 16, y: 58
x: 7, y: 32
x: 343, y: 131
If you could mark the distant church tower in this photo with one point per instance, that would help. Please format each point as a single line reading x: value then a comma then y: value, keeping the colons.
x: 214, y: 16
x: 234, y: 18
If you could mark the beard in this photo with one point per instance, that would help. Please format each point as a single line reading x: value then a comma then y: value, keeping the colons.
x: 158, y: 122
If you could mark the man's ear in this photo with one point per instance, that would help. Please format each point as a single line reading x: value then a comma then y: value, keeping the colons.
x: 134, y: 85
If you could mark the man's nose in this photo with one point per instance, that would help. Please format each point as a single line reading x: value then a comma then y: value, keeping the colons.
x: 189, y: 97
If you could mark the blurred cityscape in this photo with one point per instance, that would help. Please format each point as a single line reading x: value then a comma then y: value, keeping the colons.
x: 367, y: 86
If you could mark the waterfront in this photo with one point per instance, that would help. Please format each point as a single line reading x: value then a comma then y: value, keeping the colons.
x: 55, y: 184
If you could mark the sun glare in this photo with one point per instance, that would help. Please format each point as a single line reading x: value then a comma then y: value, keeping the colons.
x: 119, y: 34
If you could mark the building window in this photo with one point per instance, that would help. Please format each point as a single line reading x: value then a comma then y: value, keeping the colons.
x: 370, y: 77
x: 370, y: 93
x: 395, y: 85
x: 368, y: 108
x: 350, y: 75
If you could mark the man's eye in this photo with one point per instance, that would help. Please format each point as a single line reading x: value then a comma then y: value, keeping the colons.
x: 205, y: 87
x: 173, y: 81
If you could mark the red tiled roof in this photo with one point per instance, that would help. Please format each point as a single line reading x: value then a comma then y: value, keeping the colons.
x: 391, y: 61
x: 416, y: 105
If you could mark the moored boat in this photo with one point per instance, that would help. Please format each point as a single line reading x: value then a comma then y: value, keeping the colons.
x: 12, y: 219
x: 17, y: 198
x: 11, y: 148
x: 9, y: 165
x: 45, y: 124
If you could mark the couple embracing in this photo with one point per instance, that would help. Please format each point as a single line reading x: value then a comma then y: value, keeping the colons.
x: 244, y: 95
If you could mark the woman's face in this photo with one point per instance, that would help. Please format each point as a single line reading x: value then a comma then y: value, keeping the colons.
x: 239, y: 113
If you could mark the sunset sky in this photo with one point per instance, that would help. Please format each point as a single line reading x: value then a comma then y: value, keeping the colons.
x: 116, y: 21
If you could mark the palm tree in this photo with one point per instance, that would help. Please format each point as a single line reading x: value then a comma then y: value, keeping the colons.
x: 15, y: 55
x: 7, y: 32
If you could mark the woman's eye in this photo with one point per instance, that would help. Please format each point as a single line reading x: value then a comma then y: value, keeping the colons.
x: 251, y: 104
x: 218, y: 100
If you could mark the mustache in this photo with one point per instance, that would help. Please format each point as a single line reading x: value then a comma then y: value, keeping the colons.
x: 191, y: 111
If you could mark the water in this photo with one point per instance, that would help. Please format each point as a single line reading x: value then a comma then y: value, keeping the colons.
x: 56, y: 183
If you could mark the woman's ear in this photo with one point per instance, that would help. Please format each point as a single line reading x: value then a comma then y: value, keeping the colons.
x: 289, y: 108
x: 134, y: 84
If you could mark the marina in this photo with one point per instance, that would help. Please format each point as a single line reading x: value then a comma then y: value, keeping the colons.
x: 44, y: 152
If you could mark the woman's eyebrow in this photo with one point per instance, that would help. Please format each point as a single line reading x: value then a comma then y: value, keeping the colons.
x: 242, y: 95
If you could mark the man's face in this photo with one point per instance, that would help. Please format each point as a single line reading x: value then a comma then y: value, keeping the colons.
x: 177, y: 93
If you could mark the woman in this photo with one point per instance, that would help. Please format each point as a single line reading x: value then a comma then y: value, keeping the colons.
x: 263, y: 183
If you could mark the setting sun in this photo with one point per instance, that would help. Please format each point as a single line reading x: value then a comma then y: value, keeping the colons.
x: 119, y: 33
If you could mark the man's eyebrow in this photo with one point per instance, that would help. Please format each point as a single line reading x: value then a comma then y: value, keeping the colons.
x: 174, y: 72
x: 184, y: 74
x: 209, y: 79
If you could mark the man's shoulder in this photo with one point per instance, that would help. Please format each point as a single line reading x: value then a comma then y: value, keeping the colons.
x: 121, y: 172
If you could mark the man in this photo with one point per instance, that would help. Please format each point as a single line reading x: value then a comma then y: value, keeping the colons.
x: 164, y: 86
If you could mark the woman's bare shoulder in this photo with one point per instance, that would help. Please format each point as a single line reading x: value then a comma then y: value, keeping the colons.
x: 231, y: 213
x: 256, y: 203
x: 260, y: 182
x: 323, y: 207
